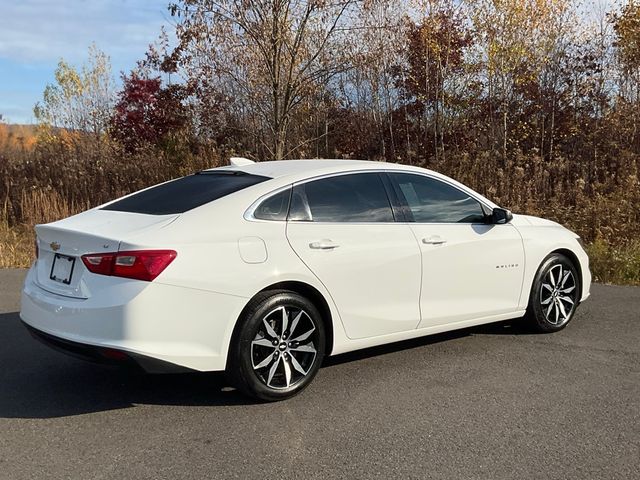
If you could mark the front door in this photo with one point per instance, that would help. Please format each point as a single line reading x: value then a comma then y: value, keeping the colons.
x: 470, y: 269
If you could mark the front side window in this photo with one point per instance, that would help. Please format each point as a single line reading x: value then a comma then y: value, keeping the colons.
x: 358, y: 197
x: 432, y: 201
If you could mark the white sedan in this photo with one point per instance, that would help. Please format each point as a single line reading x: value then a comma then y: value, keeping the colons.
x: 263, y: 269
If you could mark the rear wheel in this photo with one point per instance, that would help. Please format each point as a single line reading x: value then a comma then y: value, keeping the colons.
x: 554, y: 294
x: 279, y: 346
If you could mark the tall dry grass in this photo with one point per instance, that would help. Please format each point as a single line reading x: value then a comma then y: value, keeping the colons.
x: 16, y: 243
x: 63, y: 176
x: 37, y: 206
x: 55, y: 181
x: 44, y: 206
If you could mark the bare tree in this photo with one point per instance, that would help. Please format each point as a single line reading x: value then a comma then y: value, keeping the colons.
x: 266, y: 56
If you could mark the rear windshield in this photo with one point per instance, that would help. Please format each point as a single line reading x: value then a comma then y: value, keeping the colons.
x: 183, y: 194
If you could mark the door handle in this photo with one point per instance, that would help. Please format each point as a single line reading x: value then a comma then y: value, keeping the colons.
x: 434, y: 240
x: 324, y: 244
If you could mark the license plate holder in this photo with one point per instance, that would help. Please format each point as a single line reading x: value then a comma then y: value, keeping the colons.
x: 62, y: 268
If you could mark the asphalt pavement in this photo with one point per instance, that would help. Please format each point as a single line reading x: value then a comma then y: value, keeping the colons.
x: 492, y: 402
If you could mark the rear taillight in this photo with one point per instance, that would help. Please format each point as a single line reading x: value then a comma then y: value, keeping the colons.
x: 100, y: 263
x: 137, y: 264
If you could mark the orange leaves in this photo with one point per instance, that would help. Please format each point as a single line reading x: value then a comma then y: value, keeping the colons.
x: 16, y: 137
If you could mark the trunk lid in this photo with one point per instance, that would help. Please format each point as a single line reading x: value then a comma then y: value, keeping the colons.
x: 59, y: 268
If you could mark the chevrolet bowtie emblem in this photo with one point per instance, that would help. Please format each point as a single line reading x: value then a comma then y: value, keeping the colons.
x: 55, y: 246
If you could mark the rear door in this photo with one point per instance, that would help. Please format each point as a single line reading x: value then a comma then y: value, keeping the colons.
x: 470, y: 269
x: 343, y: 229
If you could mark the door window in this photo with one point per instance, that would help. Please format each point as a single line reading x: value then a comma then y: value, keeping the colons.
x: 358, y: 197
x: 433, y: 201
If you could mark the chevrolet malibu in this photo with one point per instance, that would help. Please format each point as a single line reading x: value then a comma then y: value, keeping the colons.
x: 263, y: 269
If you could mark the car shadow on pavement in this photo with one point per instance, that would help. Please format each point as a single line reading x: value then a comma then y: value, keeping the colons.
x: 37, y: 382
x: 509, y: 327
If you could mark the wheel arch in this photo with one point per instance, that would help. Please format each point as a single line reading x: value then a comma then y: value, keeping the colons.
x: 317, y: 298
x: 573, y: 258
x: 307, y: 291
x: 544, y: 254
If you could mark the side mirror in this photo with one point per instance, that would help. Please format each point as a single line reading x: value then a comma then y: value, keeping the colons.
x: 500, y: 216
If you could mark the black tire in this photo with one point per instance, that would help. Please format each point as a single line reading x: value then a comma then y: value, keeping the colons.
x: 259, y: 343
x: 554, y: 294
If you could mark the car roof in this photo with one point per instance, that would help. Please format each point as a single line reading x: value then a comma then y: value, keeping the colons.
x: 283, y: 172
x: 310, y: 168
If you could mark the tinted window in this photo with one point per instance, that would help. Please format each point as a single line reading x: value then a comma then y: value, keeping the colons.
x: 433, y: 201
x: 275, y: 207
x: 185, y: 193
x: 357, y: 197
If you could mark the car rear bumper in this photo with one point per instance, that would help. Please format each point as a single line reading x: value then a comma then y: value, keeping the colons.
x: 104, y: 355
x: 184, y: 327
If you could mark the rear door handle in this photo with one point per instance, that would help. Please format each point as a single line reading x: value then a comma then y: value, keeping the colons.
x: 434, y: 240
x: 324, y: 244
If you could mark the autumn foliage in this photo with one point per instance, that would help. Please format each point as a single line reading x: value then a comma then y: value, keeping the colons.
x: 147, y: 113
x: 534, y: 103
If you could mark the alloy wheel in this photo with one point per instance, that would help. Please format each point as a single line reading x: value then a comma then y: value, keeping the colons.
x: 558, y: 295
x: 284, y: 347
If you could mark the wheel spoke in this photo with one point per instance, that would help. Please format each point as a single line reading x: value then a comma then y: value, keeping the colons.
x: 263, y: 342
x: 270, y: 331
x: 567, y: 299
x: 546, y: 302
x: 272, y: 371
x: 560, y: 274
x: 297, y: 365
x: 549, y: 310
x: 294, y: 324
x: 264, y: 362
x: 565, y: 278
x: 547, y: 286
x: 568, y: 290
x: 553, y: 279
x: 287, y: 371
x: 305, y: 335
x: 285, y: 320
x: 562, y: 310
x: 308, y: 348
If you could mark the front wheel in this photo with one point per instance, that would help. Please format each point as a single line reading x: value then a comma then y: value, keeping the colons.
x: 279, y: 346
x: 554, y: 294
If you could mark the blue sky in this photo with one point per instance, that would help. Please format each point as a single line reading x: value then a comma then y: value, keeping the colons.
x: 35, y: 34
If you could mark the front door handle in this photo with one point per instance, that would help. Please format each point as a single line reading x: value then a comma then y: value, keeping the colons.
x: 324, y: 244
x: 434, y: 240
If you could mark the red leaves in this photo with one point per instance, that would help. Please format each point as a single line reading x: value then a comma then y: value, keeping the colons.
x: 147, y: 112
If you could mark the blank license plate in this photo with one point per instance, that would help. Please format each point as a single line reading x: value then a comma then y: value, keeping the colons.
x: 62, y: 268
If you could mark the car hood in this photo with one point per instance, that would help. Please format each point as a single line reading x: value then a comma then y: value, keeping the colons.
x: 529, y: 220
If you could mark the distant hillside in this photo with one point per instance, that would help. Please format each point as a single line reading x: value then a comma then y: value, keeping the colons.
x: 14, y: 136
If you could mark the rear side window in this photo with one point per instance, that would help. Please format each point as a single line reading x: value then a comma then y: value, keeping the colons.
x: 432, y: 201
x: 359, y: 197
x: 186, y: 193
x: 275, y: 207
